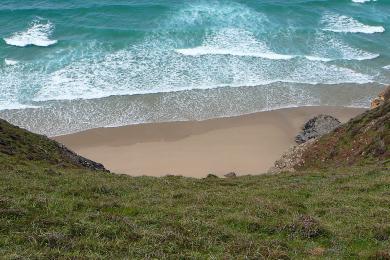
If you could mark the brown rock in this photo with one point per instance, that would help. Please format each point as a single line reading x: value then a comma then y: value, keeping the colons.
x: 376, y: 102
x: 382, y: 98
x: 385, y: 94
x: 231, y: 175
x: 292, y: 158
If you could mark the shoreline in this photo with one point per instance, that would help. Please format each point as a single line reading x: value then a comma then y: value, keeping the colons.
x: 246, y: 144
x: 54, y: 118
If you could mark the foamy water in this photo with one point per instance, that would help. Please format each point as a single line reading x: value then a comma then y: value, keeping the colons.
x: 61, y: 51
x: 346, y: 24
x: 37, y: 33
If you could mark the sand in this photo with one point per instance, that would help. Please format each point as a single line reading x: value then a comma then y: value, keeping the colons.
x: 247, y: 144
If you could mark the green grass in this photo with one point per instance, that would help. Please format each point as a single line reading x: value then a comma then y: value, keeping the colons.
x: 51, y: 206
x: 51, y: 212
x: 363, y: 140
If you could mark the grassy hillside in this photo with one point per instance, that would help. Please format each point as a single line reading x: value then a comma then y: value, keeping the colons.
x: 26, y: 146
x: 53, y: 206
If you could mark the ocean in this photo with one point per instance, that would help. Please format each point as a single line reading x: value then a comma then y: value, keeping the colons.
x: 72, y: 65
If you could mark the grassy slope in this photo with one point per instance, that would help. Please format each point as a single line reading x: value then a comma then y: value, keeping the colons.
x: 49, y: 208
x: 363, y: 140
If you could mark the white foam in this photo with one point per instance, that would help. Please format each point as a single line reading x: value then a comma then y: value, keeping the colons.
x: 10, y: 62
x: 7, y: 105
x: 201, y: 51
x: 386, y: 67
x: 346, y: 24
x: 204, y: 50
x: 315, y: 58
x: 333, y: 48
x: 138, y: 71
x: 217, y: 14
x: 362, y: 1
x: 160, y: 64
x: 238, y: 42
x: 37, y: 34
x: 235, y: 42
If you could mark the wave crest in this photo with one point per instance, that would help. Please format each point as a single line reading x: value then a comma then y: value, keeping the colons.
x: 234, y: 42
x: 362, y: 1
x: 37, y: 34
x: 346, y: 24
x: 10, y: 62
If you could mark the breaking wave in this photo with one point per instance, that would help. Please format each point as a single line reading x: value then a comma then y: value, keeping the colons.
x: 346, y: 24
x: 37, y: 34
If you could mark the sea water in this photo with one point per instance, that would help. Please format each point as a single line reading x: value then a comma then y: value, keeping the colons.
x: 70, y: 65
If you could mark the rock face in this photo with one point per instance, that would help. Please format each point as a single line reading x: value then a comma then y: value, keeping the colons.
x: 80, y: 160
x: 291, y: 159
x: 230, y: 175
x: 317, y: 127
x: 381, y: 99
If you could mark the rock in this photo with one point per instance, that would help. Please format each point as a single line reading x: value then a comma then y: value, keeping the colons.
x: 317, y: 127
x: 230, y: 175
x: 80, y: 160
x: 291, y: 159
x: 381, y: 99
x: 211, y: 176
x: 376, y: 102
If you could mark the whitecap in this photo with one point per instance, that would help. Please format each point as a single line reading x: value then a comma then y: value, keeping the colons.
x: 37, y: 34
x: 234, y: 42
x: 138, y: 71
x: 346, y: 24
x: 333, y: 48
x: 362, y: 1
x: 316, y: 58
x: 10, y: 62
x: 7, y: 105
x: 204, y: 50
x: 386, y: 67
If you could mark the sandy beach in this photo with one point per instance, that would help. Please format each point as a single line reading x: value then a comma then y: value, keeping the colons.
x: 247, y: 144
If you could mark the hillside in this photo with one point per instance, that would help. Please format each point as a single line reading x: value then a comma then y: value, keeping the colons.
x: 54, y: 206
x: 24, y: 145
x: 363, y: 140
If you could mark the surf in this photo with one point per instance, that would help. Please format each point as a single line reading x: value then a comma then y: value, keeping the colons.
x: 345, y: 24
x: 38, y: 34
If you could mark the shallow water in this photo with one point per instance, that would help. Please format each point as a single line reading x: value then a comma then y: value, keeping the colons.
x: 58, y: 53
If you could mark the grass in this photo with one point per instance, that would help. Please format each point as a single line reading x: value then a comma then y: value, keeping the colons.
x: 363, y: 140
x: 52, y: 206
x: 49, y: 211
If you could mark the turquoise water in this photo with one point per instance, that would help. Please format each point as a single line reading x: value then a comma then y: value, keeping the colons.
x: 54, y: 54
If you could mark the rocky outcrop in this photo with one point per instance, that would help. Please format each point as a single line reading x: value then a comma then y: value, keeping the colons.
x: 317, y: 127
x: 80, y: 160
x: 291, y: 159
x: 381, y: 99
x: 365, y: 139
x: 230, y: 175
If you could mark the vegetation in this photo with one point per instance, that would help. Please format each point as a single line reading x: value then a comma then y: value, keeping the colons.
x: 54, y: 207
x: 363, y: 140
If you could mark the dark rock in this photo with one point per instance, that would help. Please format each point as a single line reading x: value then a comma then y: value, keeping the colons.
x: 317, y: 127
x: 230, y: 175
x: 211, y: 176
x: 79, y: 160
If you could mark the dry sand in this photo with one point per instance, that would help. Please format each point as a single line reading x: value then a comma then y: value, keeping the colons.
x: 246, y: 144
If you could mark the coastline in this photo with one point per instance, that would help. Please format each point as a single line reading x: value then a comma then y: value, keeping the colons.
x: 247, y: 144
